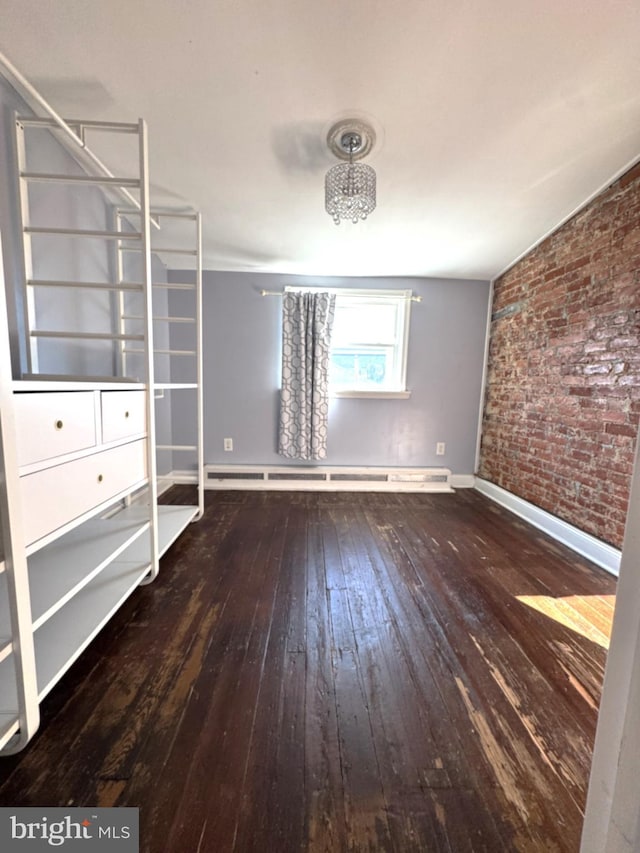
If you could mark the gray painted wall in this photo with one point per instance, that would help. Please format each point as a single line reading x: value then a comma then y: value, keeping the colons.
x: 10, y: 102
x: 242, y: 340
x: 54, y: 257
x: 242, y: 352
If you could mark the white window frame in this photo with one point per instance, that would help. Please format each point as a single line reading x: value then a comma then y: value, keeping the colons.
x: 403, y: 299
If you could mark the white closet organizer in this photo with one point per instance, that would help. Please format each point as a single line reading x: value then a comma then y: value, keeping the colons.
x: 19, y: 711
x: 79, y: 452
x: 177, y: 366
x: 81, y: 524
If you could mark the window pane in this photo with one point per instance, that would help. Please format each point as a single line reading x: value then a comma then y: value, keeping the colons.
x: 368, y: 342
x: 353, y: 368
x: 364, y: 323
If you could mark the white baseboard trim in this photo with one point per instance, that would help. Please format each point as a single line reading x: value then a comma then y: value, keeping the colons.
x: 174, y: 477
x: 600, y: 553
x: 456, y: 481
x: 323, y: 478
x: 462, y: 481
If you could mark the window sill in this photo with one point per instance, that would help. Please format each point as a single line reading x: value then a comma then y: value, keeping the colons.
x: 373, y: 395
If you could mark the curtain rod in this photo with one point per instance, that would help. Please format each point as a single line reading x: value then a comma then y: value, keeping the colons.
x: 332, y: 290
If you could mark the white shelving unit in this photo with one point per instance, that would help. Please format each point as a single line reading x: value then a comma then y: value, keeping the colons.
x: 19, y: 710
x: 72, y: 610
x: 173, y: 519
x: 185, y: 391
x: 80, y: 555
x: 81, y: 524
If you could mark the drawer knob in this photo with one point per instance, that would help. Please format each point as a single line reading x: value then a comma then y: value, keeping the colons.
x: 100, y: 478
x: 126, y: 414
x: 59, y: 424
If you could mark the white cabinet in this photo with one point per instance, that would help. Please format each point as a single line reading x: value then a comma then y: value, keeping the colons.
x: 51, y: 424
x: 80, y: 453
x: 123, y: 414
x: 74, y: 451
x: 56, y: 496
x: 77, y: 539
x: 57, y: 491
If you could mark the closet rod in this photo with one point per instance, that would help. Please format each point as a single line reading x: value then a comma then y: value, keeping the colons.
x: 174, y: 285
x: 160, y: 213
x: 93, y: 336
x: 81, y: 232
x: 97, y: 285
x: 97, y: 180
x: 158, y: 250
x: 34, y: 378
x: 176, y: 386
x: 160, y: 319
x: 162, y: 351
x: 111, y: 126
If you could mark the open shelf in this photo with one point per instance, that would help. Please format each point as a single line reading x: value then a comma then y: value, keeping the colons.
x: 172, y: 520
x: 42, y: 382
x: 64, y: 636
x: 175, y: 386
x: 5, y: 619
x: 9, y: 706
x: 59, y: 571
x: 8, y: 727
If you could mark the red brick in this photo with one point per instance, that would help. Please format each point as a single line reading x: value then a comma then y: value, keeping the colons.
x: 621, y: 429
x: 563, y: 390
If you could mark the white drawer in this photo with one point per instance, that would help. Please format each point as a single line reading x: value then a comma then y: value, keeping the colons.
x: 123, y: 414
x: 50, y: 424
x: 57, y: 495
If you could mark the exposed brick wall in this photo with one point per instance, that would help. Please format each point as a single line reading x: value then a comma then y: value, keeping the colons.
x: 563, y: 390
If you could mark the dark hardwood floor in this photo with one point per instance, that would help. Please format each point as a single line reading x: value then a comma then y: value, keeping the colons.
x: 338, y: 672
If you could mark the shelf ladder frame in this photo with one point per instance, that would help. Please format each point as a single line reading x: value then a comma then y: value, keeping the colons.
x: 75, y: 130
x: 15, y: 558
x: 72, y: 130
x: 194, y: 249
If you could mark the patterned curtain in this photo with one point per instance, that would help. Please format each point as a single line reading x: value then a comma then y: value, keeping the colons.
x: 307, y: 319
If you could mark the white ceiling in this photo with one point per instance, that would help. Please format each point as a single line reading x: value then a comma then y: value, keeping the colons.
x: 495, y: 120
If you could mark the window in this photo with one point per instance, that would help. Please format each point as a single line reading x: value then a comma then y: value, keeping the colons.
x: 369, y: 343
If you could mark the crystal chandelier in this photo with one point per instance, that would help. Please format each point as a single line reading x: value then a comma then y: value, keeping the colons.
x: 350, y: 188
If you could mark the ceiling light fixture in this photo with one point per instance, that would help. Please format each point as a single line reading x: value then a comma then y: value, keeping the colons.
x: 350, y: 188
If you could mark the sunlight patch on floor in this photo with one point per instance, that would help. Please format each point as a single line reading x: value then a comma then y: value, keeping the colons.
x: 577, y: 613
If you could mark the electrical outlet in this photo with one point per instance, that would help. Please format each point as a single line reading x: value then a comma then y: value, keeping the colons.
x: 440, y: 448
x: 228, y: 444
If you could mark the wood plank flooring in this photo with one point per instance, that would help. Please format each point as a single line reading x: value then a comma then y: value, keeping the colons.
x: 338, y: 672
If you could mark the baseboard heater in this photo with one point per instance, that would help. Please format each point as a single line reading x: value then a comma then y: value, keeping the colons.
x: 329, y: 479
